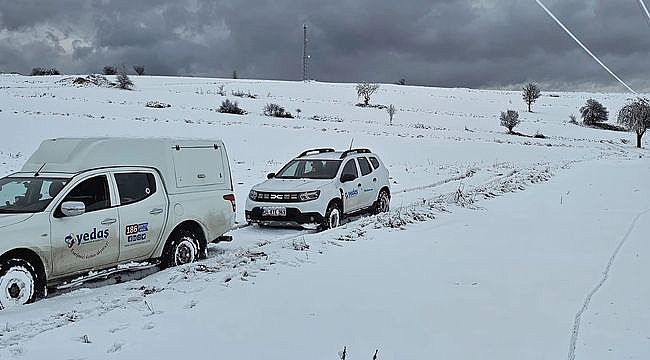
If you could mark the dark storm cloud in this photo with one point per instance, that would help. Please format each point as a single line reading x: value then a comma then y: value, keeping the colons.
x: 469, y: 43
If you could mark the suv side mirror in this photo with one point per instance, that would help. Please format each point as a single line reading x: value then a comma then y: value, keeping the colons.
x: 347, y: 177
x: 73, y: 208
x: 270, y: 175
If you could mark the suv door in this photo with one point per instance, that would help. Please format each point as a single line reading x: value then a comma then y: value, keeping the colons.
x: 369, y: 187
x: 350, y: 189
x: 142, y: 212
x: 89, y: 240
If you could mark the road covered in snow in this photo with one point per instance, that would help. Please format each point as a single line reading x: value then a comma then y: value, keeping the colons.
x: 496, y: 247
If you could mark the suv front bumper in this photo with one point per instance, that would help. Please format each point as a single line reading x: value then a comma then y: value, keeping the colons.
x: 293, y: 215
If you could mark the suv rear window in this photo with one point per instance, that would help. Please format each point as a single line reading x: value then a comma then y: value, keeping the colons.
x: 375, y: 162
x: 364, y: 165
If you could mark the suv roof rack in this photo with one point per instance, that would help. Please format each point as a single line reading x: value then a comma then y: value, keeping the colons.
x: 355, y: 151
x: 316, y: 151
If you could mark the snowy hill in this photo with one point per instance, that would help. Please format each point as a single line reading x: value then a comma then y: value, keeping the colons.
x: 497, y: 246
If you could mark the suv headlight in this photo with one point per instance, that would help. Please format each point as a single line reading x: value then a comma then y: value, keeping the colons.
x: 252, y: 195
x: 309, y: 195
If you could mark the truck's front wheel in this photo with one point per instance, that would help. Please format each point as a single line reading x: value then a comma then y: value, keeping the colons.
x: 17, y: 283
x: 182, y: 248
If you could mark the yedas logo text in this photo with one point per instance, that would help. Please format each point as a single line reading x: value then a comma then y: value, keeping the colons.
x: 73, y: 240
x: 351, y: 194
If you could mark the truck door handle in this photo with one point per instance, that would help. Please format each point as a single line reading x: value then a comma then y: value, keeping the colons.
x: 156, y: 211
x: 108, y: 221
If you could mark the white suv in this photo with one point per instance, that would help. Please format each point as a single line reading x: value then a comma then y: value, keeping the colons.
x: 321, y: 186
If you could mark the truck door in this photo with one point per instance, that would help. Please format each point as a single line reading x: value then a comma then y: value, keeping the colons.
x: 350, y: 186
x: 89, y: 240
x: 142, y: 212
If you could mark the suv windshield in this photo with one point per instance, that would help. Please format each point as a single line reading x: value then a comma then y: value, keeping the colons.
x: 309, y: 169
x: 28, y: 194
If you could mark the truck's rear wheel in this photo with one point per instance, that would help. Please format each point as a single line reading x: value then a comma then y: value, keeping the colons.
x: 18, y: 284
x: 182, y: 248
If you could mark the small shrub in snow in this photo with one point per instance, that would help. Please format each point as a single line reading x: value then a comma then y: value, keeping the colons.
x: 391, y: 112
x: 109, y: 70
x: 530, y: 94
x: 593, y: 112
x: 510, y: 119
x: 157, y: 105
x: 365, y: 91
x: 276, y: 110
x: 39, y: 71
x: 231, y: 107
x: 539, y: 135
x: 242, y: 94
x: 123, y: 81
x: 220, y: 90
x: 573, y: 119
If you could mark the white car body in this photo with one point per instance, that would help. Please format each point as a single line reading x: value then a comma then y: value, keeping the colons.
x: 305, y: 199
x: 84, y: 204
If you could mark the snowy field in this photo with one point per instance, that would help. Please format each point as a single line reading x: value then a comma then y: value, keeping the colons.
x: 496, y: 247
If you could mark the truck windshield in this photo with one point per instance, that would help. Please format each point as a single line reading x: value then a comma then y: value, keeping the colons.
x: 28, y: 194
x: 309, y: 169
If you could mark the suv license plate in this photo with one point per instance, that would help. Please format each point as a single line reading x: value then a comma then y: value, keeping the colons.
x: 274, y: 211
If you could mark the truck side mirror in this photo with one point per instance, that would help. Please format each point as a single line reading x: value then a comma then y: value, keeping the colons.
x: 347, y: 177
x: 73, y: 208
x: 270, y: 175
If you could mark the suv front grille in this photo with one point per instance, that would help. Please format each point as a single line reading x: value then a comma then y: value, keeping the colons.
x: 278, y: 197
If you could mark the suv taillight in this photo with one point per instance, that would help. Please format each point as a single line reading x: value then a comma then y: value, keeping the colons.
x: 231, y: 198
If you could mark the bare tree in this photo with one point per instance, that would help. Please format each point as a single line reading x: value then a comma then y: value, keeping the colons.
x: 109, y: 70
x: 510, y: 119
x: 139, y: 69
x: 391, y: 112
x: 123, y: 81
x: 365, y: 91
x: 593, y: 112
x: 530, y: 93
x: 635, y: 116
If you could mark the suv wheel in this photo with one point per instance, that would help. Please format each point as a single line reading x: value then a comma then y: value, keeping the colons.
x: 17, y: 283
x: 383, y: 202
x: 332, y: 216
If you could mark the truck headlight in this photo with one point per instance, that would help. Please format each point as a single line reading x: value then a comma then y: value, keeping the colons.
x: 309, y: 195
x: 252, y: 195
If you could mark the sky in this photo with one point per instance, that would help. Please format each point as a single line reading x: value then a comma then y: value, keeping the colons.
x: 468, y: 43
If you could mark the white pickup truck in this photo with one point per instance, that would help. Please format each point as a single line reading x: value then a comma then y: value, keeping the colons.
x: 80, y: 205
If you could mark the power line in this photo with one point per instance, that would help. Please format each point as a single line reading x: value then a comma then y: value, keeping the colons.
x: 583, y: 46
x: 646, y: 15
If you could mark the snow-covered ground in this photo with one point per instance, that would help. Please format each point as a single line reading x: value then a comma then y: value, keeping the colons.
x: 497, y: 246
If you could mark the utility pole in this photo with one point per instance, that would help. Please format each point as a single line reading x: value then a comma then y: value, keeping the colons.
x: 305, y: 56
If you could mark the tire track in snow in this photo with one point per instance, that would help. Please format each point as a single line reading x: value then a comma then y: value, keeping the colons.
x: 576, y: 324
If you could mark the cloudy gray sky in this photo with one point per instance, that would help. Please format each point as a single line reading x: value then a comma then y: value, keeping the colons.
x: 450, y: 43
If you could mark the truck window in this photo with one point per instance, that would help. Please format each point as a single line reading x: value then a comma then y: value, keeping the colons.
x: 134, y: 187
x: 92, y: 192
x: 364, y: 165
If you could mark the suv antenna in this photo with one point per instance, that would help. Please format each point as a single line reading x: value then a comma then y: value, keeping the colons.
x: 351, y: 142
x: 39, y: 170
